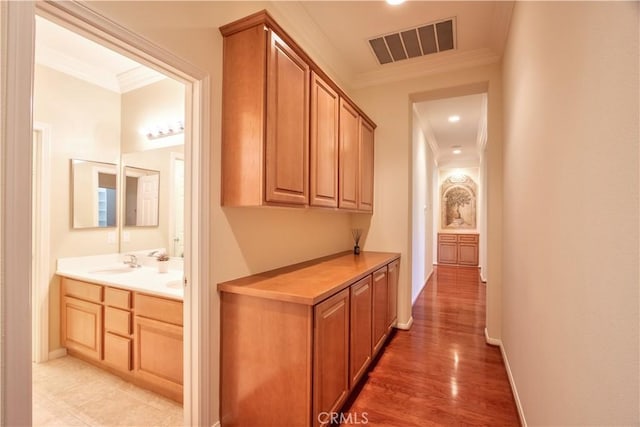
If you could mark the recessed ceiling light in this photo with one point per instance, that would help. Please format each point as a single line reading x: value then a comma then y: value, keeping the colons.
x: 453, y: 119
x: 395, y: 2
x: 457, y: 151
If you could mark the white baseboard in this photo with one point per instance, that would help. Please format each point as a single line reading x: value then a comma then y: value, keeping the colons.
x: 216, y: 424
x: 505, y: 359
x: 57, y: 354
x: 405, y: 326
x: 482, y: 278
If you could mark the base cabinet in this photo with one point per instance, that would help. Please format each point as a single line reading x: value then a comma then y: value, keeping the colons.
x: 331, y: 361
x: 380, y: 306
x: 82, y: 327
x: 360, y: 329
x: 458, y: 249
x: 288, y: 362
x: 133, y: 335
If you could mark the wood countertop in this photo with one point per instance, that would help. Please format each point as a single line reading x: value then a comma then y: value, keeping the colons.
x: 312, y: 281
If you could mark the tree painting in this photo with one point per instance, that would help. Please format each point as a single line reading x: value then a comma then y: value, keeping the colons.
x: 456, y: 198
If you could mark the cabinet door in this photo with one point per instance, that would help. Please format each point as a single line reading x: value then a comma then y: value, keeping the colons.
x: 117, y: 351
x: 447, y: 253
x: 286, y: 154
x: 158, y: 355
x: 468, y: 254
x: 365, y: 201
x: 331, y: 354
x: 380, y: 307
x: 325, y: 110
x: 349, y: 156
x: 360, y: 329
x: 81, y: 324
x: 393, y: 275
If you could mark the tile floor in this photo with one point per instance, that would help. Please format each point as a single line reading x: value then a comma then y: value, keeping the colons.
x: 70, y: 392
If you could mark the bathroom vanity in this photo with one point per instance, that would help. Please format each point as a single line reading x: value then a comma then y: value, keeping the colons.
x: 126, y: 320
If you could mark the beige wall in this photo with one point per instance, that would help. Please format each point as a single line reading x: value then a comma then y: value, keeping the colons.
x: 570, y: 325
x: 243, y: 240
x: 390, y: 106
x: 159, y: 103
x: 85, y: 124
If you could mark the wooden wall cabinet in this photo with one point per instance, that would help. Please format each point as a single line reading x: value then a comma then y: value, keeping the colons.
x: 265, y: 121
x: 356, y: 160
x: 458, y: 249
x: 325, y: 111
x: 282, y: 120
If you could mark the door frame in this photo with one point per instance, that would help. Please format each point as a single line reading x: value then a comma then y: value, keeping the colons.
x: 17, y: 59
x: 42, y: 230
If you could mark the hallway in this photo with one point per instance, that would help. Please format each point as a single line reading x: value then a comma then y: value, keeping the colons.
x: 441, y: 372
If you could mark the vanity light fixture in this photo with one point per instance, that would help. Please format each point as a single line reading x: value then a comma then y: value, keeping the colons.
x: 454, y: 119
x: 161, y: 131
x: 395, y: 2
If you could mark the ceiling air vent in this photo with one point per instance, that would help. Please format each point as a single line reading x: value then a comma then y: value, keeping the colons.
x: 423, y: 40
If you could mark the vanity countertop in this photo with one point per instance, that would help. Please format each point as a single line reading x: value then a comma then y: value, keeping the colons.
x: 109, y: 270
x: 312, y: 281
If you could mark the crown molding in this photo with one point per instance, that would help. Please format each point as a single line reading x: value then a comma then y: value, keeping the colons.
x: 138, y: 77
x: 418, y: 67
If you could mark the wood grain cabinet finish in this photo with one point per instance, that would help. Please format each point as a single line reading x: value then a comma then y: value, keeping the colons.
x: 296, y: 341
x: 81, y: 327
x: 331, y: 356
x: 379, y: 309
x: 325, y: 112
x: 360, y: 329
x: 265, y: 121
x: 458, y: 249
x: 133, y: 335
x: 281, y: 123
x: 393, y: 276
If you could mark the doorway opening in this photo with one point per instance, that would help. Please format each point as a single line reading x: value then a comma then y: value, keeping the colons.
x: 81, y: 20
x: 449, y: 180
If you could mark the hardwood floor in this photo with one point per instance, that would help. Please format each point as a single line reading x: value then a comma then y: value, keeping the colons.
x: 441, y: 372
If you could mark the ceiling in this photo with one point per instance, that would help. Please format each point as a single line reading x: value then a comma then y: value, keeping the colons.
x: 341, y: 29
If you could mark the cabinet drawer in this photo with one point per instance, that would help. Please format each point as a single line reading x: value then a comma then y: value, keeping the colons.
x: 118, y: 321
x: 117, y: 351
x: 162, y: 309
x: 447, y: 238
x: 82, y: 290
x: 468, y: 238
x: 117, y: 298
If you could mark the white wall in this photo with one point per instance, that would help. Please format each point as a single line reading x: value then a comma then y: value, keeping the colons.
x: 571, y: 216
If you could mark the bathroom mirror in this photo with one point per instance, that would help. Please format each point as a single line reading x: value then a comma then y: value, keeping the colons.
x: 141, y: 197
x: 94, y: 194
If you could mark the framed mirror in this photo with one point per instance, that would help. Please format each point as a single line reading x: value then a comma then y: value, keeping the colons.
x: 141, y: 197
x: 94, y: 189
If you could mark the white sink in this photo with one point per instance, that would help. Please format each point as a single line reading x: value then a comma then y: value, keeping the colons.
x: 113, y: 270
x: 174, y: 284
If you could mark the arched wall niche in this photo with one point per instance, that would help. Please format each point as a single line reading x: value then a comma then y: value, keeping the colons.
x: 458, y: 194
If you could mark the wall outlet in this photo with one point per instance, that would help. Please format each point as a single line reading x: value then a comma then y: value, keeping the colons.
x: 111, y: 237
x: 126, y: 236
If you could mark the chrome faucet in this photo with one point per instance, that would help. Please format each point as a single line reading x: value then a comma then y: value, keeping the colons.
x: 132, y: 260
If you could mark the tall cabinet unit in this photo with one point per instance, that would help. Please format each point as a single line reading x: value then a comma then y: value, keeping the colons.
x: 290, y: 135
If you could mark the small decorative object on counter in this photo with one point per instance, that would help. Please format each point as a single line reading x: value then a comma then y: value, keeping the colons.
x: 163, y: 262
x: 356, y: 233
